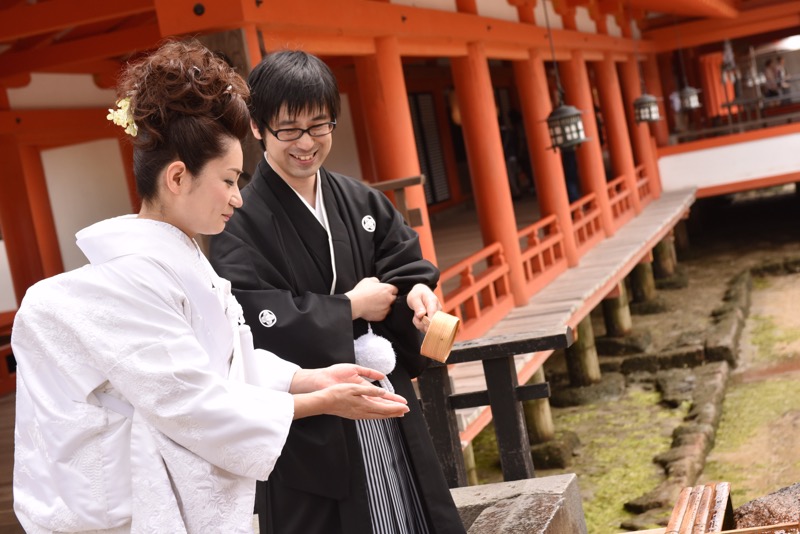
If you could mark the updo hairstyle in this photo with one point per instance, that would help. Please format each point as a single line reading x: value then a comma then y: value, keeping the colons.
x: 185, y: 101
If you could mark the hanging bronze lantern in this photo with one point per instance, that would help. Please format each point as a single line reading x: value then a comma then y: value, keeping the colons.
x: 645, y: 109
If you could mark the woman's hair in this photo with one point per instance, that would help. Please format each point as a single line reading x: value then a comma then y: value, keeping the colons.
x: 185, y: 101
x: 295, y: 79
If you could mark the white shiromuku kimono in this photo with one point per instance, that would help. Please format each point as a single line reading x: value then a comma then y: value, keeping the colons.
x: 129, y: 418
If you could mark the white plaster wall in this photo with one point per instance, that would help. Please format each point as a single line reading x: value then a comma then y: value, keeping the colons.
x: 55, y: 91
x: 8, y: 301
x: 584, y: 22
x: 636, y: 33
x: 441, y: 5
x: 343, y: 157
x: 730, y: 164
x: 497, y: 10
x: 85, y: 183
x: 612, y: 26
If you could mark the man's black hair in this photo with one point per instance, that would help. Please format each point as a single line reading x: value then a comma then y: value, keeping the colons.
x: 295, y: 79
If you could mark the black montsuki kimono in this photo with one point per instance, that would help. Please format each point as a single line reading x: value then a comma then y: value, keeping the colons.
x: 276, y: 255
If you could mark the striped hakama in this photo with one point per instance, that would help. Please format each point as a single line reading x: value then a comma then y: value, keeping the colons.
x: 394, y: 503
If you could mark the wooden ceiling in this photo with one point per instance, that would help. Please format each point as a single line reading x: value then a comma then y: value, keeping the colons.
x: 94, y: 36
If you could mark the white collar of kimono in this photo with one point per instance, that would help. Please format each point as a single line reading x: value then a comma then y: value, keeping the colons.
x: 321, y: 214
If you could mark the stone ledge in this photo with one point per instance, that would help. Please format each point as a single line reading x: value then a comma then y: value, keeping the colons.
x: 546, y: 505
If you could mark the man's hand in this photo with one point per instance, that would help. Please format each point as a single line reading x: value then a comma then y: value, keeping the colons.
x: 308, y: 380
x: 371, y: 300
x: 424, y: 303
x: 351, y: 401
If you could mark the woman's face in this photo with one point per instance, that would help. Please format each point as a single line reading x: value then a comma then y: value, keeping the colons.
x: 208, y: 203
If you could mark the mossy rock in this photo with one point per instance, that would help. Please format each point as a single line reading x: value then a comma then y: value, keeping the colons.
x: 649, y: 307
x: 556, y: 453
x: 612, y: 385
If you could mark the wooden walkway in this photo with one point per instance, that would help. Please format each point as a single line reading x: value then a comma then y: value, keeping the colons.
x: 573, y: 294
x: 568, y: 299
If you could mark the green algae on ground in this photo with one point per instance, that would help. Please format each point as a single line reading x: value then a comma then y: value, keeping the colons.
x: 617, y: 466
x: 768, y: 339
x: 613, y: 466
x: 761, y: 282
x: 749, y: 409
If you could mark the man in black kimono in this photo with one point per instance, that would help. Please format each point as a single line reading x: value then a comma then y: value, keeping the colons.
x: 314, y: 258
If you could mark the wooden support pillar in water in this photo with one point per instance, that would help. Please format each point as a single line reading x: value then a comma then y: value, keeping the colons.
x: 617, y: 313
x: 665, y: 260
x: 681, y: 235
x: 643, y: 284
x: 582, y: 363
x: 471, y: 466
x: 538, y: 418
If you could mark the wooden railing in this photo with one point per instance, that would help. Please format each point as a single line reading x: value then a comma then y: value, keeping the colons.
x: 586, y: 224
x: 619, y: 197
x: 643, y: 184
x: 483, y: 294
x: 397, y: 188
x: 542, y: 245
x: 503, y: 394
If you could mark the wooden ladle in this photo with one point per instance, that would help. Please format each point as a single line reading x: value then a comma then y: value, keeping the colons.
x: 441, y: 334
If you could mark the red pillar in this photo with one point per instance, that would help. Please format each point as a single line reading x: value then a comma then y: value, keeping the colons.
x: 640, y: 132
x: 384, y: 98
x: 252, y: 44
x: 126, y: 151
x: 590, y: 155
x: 17, y: 220
x: 41, y: 211
x: 486, y: 161
x: 652, y: 80
x: 619, y: 143
x: 551, y: 189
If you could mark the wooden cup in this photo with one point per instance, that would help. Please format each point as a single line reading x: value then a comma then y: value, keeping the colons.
x: 441, y: 335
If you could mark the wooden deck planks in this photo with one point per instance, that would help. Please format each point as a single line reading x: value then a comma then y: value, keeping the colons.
x: 557, y: 303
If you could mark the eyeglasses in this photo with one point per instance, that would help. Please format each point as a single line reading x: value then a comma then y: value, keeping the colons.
x: 292, y: 134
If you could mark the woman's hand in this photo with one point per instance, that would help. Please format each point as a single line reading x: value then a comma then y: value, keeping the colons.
x: 308, y: 380
x: 351, y: 401
x: 424, y: 303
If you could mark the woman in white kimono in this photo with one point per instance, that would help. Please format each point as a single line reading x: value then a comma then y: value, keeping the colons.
x: 133, y: 414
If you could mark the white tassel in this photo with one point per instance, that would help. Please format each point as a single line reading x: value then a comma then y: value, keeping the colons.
x: 376, y: 352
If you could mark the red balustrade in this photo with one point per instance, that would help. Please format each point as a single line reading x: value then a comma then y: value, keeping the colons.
x: 483, y: 294
x: 586, y: 223
x: 542, y: 245
x: 645, y: 188
x: 619, y: 197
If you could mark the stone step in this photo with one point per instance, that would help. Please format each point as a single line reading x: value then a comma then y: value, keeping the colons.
x: 546, y: 505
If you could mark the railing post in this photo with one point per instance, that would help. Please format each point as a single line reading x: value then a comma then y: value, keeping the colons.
x: 435, y: 389
x: 509, y: 418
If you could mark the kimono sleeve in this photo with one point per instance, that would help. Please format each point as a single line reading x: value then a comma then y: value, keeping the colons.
x: 171, y: 380
x: 399, y: 261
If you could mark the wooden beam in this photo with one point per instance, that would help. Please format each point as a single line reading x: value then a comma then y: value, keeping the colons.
x: 322, y: 21
x: 751, y: 22
x: 97, y: 66
x: 24, y: 20
x: 320, y: 44
x: 20, y: 80
x: 698, y: 8
x: 56, y: 127
x: 80, y: 51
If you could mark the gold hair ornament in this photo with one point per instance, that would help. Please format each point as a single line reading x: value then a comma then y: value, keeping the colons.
x: 122, y: 116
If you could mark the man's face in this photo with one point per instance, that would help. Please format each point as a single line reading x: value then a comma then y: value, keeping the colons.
x: 299, y: 159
